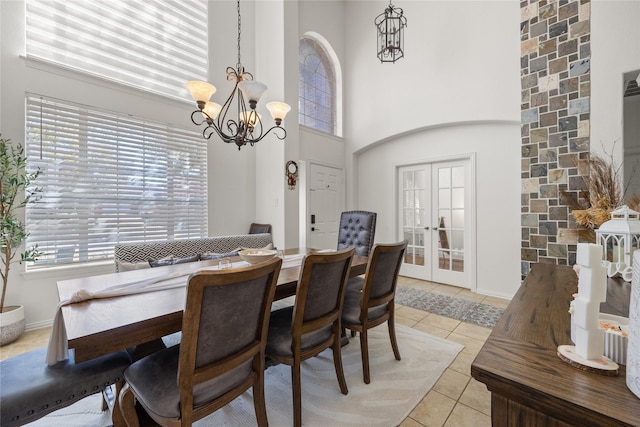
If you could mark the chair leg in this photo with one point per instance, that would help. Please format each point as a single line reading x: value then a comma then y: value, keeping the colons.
x: 392, y: 335
x: 297, y: 393
x: 364, y: 351
x: 128, y: 406
x: 337, y: 363
x: 259, y: 403
x: 116, y: 413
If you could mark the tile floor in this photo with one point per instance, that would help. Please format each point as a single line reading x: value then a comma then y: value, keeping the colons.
x: 455, y: 400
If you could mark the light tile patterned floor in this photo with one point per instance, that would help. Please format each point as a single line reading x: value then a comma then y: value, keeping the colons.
x: 455, y: 400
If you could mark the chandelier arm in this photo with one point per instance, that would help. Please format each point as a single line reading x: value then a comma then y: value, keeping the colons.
x: 201, y: 114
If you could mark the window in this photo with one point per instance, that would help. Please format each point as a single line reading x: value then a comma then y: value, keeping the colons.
x: 109, y: 178
x: 317, y: 87
x: 154, y: 45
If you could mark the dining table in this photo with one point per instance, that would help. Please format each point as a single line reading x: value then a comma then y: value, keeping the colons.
x: 102, y: 326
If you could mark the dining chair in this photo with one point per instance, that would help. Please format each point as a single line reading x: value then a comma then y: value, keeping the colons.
x: 312, y: 324
x: 255, y: 228
x: 221, y: 353
x: 357, y: 229
x: 372, y: 302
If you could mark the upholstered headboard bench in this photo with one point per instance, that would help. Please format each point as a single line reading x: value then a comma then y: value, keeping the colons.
x: 137, y: 253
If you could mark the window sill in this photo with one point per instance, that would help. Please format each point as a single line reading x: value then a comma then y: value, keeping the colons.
x: 71, y: 271
x: 311, y: 130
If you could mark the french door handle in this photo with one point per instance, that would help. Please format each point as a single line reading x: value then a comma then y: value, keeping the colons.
x: 426, y: 228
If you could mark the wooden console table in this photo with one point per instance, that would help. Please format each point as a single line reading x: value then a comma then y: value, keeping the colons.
x: 529, y: 384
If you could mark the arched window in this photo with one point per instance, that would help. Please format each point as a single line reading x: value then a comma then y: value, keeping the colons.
x: 318, y: 93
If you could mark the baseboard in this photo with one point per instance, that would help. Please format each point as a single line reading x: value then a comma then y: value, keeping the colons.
x: 39, y: 325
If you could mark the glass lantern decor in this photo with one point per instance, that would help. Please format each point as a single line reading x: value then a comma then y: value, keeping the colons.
x: 619, y: 237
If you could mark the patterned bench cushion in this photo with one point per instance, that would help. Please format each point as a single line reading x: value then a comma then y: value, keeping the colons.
x: 137, y: 252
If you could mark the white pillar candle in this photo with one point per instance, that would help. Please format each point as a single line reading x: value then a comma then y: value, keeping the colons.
x: 592, y: 290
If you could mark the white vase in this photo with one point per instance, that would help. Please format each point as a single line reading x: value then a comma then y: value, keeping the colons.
x: 633, y: 346
x: 12, y: 324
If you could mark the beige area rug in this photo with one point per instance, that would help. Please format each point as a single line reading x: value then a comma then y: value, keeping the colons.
x: 396, y: 388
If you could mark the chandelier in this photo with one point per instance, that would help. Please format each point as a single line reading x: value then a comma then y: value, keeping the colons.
x: 247, y: 127
x: 390, y: 25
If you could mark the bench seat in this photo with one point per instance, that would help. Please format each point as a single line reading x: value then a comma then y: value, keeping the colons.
x: 30, y: 389
x: 137, y: 252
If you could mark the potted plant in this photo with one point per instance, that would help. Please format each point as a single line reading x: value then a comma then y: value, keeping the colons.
x: 16, y: 186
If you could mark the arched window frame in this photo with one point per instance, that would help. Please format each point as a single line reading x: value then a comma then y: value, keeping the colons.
x: 325, y: 51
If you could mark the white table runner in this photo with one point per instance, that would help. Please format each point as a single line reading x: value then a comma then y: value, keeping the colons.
x: 58, y: 348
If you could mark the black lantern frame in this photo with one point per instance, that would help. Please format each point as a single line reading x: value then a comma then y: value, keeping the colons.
x: 390, y: 27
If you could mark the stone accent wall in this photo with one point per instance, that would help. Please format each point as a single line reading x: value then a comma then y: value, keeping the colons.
x: 555, y: 58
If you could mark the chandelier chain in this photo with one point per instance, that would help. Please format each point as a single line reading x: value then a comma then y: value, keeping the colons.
x: 239, y: 64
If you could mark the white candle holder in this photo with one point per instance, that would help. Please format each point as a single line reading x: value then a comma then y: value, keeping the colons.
x: 619, y: 237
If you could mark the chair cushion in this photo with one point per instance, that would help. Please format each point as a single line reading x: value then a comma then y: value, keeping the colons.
x: 355, y: 283
x: 357, y: 229
x: 351, y: 308
x: 154, y: 380
x: 31, y: 389
x: 279, y: 339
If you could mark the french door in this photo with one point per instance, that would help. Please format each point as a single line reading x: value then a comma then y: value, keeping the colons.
x: 435, y: 216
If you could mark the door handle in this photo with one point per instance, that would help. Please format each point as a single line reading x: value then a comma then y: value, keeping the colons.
x: 426, y: 228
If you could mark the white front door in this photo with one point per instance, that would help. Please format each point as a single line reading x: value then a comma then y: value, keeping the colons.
x: 435, y: 216
x: 326, y: 203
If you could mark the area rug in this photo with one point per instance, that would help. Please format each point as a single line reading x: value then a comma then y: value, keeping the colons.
x: 396, y: 388
x: 457, y: 308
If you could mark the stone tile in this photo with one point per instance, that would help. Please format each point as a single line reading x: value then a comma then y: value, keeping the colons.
x: 579, y: 29
x: 463, y: 416
x: 558, y: 176
x: 529, y: 12
x: 558, y: 29
x: 529, y: 116
x: 471, y: 345
x: 498, y: 302
x: 580, y: 68
x: 452, y: 383
x: 473, y: 331
x: 467, y: 295
x: 405, y: 321
x: 442, y: 322
x: 579, y: 106
x: 476, y: 396
x: 447, y: 290
x: 433, y: 410
x: 462, y: 363
x: 411, y: 313
x: 30, y: 340
x: 432, y: 330
x: 410, y: 422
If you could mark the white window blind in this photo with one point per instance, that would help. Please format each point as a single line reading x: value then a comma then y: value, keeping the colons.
x: 156, y: 45
x: 108, y: 178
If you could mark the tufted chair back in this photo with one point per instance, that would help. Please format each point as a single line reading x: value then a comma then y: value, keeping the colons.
x: 357, y: 229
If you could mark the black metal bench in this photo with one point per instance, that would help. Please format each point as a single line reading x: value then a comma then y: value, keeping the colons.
x: 29, y: 389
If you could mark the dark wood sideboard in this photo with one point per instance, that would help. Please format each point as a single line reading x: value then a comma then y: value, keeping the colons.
x: 529, y: 384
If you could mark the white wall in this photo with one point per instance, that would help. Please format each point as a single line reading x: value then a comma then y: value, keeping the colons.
x: 631, y: 138
x: 231, y: 174
x: 456, y: 91
x: 497, y: 188
x: 615, y: 49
